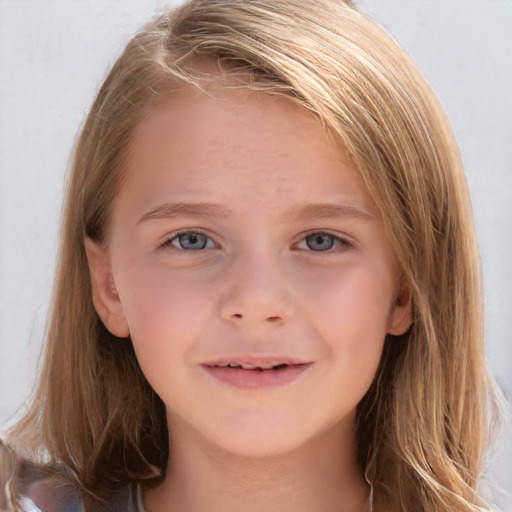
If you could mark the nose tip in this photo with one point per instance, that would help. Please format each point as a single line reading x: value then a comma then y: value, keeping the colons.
x: 257, y: 296
x: 253, y: 312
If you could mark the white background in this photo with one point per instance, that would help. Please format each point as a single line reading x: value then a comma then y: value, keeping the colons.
x: 54, y: 55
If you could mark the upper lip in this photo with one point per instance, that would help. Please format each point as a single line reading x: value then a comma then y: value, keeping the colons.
x: 251, y: 362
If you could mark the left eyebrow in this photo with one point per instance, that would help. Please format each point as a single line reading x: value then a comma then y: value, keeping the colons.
x: 172, y: 210
x: 331, y: 210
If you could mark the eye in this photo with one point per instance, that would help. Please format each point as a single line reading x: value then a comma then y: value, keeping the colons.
x: 321, y: 241
x: 190, y: 241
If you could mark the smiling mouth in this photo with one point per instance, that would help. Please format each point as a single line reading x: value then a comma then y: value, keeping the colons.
x: 257, y: 368
x: 256, y: 374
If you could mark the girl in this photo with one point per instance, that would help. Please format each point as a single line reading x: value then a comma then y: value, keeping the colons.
x: 268, y: 294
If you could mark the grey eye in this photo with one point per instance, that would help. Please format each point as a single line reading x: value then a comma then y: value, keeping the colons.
x: 321, y: 241
x: 191, y: 241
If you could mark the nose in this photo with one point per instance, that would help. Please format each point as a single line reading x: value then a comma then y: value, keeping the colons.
x: 257, y: 292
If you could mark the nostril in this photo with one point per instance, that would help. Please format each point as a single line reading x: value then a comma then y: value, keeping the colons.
x: 239, y: 316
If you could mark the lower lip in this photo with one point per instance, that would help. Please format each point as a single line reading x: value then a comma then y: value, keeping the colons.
x: 252, y: 379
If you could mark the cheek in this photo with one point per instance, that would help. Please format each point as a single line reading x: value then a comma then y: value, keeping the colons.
x: 351, y: 309
x: 354, y: 297
x: 166, y: 312
x: 161, y: 303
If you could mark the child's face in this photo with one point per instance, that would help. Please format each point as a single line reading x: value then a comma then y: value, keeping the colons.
x: 244, y: 235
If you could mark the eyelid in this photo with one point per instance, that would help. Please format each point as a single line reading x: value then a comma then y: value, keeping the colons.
x: 345, y: 241
x: 167, y: 239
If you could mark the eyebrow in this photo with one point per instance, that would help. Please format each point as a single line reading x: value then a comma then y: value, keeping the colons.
x: 331, y: 210
x: 172, y: 210
x: 310, y: 211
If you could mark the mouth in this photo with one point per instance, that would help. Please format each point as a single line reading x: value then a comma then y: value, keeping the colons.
x: 276, y: 366
x: 256, y: 373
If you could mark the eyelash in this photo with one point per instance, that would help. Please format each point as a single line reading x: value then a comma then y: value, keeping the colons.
x: 168, y: 241
x: 339, y: 243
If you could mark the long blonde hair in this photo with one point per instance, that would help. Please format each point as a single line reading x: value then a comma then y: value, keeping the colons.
x: 423, y: 426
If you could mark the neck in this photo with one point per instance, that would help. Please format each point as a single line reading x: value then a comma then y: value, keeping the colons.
x: 322, y: 476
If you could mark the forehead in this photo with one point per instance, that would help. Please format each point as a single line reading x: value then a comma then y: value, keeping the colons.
x: 236, y: 144
x: 235, y: 109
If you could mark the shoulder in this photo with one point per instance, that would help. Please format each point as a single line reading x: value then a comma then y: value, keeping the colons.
x: 39, y: 489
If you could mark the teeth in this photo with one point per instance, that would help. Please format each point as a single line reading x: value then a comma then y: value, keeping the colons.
x: 248, y: 366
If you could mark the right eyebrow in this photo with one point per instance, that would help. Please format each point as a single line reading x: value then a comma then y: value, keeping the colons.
x: 172, y: 210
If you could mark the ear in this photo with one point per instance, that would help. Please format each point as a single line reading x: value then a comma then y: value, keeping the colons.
x: 104, y: 294
x: 400, y: 317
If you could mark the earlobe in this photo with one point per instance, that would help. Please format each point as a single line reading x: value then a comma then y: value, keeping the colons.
x: 401, y: 312
x: 104, y: 293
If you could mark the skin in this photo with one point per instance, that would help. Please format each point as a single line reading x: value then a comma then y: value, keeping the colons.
x: 279, y: 276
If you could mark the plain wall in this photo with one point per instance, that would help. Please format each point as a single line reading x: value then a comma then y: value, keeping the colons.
x: 55, y: 53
